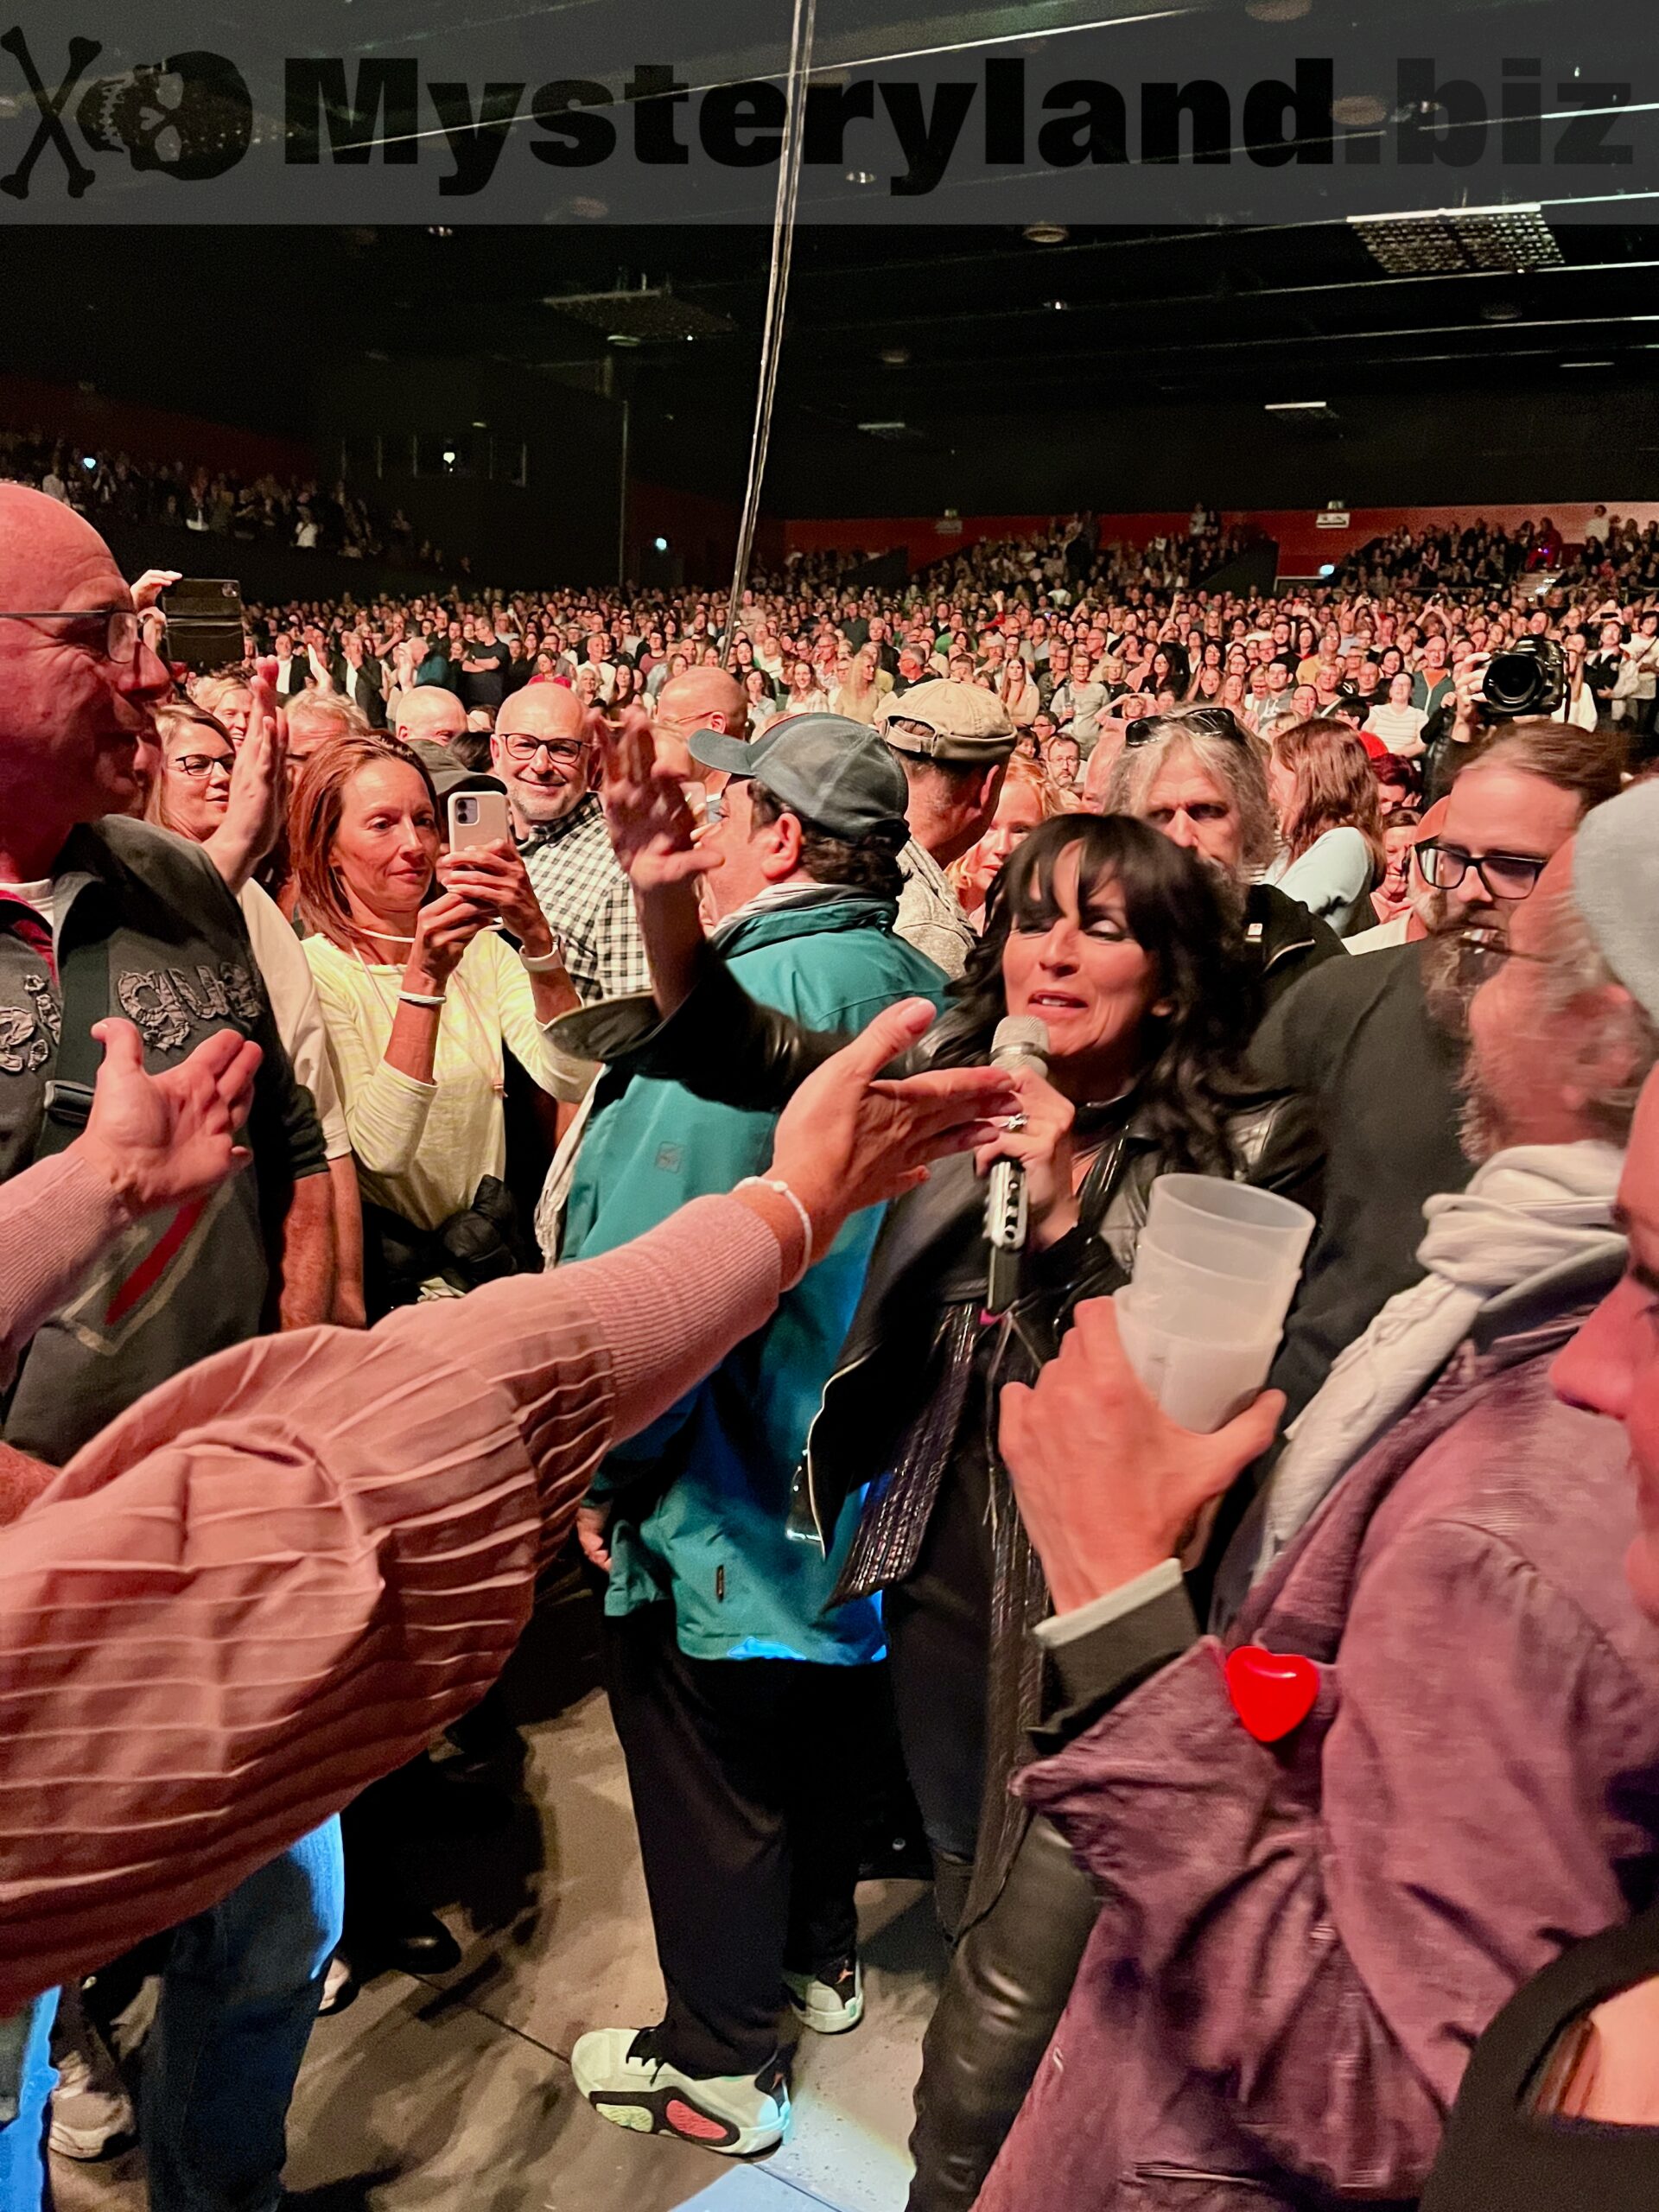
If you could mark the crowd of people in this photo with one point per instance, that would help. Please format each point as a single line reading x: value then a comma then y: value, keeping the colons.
x: 471, y: 1064
x: 265, y: 509
x: 1614, y: 550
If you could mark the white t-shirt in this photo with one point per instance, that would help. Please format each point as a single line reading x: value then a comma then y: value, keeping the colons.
x: 42, y: 896
x: 1401, y: 728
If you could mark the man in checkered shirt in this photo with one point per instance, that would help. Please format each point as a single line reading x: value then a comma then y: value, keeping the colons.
x: 541, y: 750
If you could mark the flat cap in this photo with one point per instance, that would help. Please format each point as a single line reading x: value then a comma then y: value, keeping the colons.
x: 948, y: 721
x: 1616, y: 886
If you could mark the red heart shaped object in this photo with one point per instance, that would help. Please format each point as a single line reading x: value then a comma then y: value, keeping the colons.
x: 1273, y: 1692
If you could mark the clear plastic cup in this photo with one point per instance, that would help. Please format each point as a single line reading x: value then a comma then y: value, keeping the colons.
x: 1199, y: 1380
x: 1231, y: 1227
x: 1176, y: 1284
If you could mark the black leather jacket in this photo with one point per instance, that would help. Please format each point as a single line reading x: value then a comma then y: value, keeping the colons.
x: 1284, y: 939
x: 891, y: 1411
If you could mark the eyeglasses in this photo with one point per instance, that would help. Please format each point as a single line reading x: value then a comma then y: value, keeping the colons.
x: 202, y: 763
x: 1481, y: 953
x: 1506, y: 875
x: 563, y: 752
x: 119, y: 625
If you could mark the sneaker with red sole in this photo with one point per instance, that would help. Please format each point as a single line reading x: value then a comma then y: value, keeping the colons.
x: 624, y: 2079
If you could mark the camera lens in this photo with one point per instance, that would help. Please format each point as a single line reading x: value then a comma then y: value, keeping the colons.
x: 1512, y: 683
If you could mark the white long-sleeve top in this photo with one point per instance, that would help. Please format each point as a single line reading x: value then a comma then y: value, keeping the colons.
x: 423, y: 1148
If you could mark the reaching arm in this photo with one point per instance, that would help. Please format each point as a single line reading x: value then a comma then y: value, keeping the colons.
x: 307, y: 1274
x: 253, y: 818
x: 277, y: 1577
x: 653, y: 834
x: 349, y: 1310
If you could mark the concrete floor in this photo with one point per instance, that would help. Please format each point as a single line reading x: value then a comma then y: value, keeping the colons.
x: 429, y: 2097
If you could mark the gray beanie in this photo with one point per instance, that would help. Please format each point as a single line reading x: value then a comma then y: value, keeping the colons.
x: 1616, y: 883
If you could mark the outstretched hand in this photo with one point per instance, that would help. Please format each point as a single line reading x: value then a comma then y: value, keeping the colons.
x: 1107, y: 1485
x: 162, y: 1140
x: 653, y: 831
x: 851, y: 1138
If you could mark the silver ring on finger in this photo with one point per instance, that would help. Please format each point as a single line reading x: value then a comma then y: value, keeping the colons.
x: 1016, y: 1122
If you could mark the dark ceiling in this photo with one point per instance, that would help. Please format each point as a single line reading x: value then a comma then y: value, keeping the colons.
x: 912, y: 327
x: 939, y: 338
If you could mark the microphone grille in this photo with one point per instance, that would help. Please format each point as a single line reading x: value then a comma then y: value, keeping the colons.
x: 1021, y: 1035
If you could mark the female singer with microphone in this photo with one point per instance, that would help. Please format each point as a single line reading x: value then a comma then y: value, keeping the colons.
x: 1115, y: 941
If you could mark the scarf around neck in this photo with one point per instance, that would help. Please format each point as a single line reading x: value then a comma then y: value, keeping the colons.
x: 1526, y: 1212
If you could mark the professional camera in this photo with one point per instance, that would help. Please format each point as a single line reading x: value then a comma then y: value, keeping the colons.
x: 1528, y: 679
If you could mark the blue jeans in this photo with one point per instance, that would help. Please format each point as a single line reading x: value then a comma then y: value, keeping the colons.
x: 27, y: 2080
x: 239, y: 1994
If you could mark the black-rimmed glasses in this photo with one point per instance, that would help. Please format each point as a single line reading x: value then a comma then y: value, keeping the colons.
x: 120, y: 625
x: 1506, y: 875
x: 563, y: 752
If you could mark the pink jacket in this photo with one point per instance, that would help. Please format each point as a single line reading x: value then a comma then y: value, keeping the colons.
x: 279, y: 1576
x: 1299, y: 1944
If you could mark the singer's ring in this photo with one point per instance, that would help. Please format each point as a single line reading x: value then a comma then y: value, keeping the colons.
x: 1016, y: 1122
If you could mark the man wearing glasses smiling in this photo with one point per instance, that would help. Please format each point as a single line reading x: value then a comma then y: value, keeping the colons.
x: 542, y: 752
x: 1378, y: 1039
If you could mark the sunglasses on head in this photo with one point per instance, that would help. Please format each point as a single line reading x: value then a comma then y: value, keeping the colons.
x: 1213, y: 722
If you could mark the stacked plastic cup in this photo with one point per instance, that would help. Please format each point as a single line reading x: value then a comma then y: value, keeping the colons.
x: 1215, y: 1271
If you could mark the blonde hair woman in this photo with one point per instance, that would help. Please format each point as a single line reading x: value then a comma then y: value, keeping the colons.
x: 1030, y: 797
x: 860, y: 691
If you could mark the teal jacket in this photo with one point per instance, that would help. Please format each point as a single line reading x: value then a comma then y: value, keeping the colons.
x: 702, y: 1496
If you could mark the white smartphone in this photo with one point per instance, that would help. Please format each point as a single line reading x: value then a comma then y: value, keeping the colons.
x: 477, y: 818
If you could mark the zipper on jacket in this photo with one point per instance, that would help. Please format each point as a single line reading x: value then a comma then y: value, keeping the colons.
x: 1269, y: 964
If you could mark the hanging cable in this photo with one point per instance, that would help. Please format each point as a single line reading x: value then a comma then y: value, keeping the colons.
x: 771, y: 335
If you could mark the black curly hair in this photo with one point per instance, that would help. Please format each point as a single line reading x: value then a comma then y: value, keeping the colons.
x: 1176, y: 912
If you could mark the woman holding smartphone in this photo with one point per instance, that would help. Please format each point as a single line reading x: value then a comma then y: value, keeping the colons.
x: 420, y: 989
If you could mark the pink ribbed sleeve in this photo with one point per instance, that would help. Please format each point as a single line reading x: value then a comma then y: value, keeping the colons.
x: 56, y: 1219
x: 278, y: 1577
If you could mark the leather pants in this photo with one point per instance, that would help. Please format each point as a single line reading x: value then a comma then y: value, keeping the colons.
x: 1010, y: 1976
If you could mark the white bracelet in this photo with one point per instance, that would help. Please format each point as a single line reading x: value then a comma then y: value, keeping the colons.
x: 546, y: 963
x: 421, y: 998
x: 771, y: 1182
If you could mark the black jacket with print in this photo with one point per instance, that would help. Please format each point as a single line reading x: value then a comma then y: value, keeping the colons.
x: 178, y: 1285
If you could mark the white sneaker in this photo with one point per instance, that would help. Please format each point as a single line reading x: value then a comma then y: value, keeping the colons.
x: 832, y: 2002
x: 92, y: 2113
x: 618, y: 2071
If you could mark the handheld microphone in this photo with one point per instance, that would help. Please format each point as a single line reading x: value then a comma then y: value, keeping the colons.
x: 1020, y: 1041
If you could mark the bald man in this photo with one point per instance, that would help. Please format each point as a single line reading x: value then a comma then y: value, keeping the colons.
x: 542, y: 752
x: 702, y: 698
x: 427, y: 716
x: 169, y: 950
